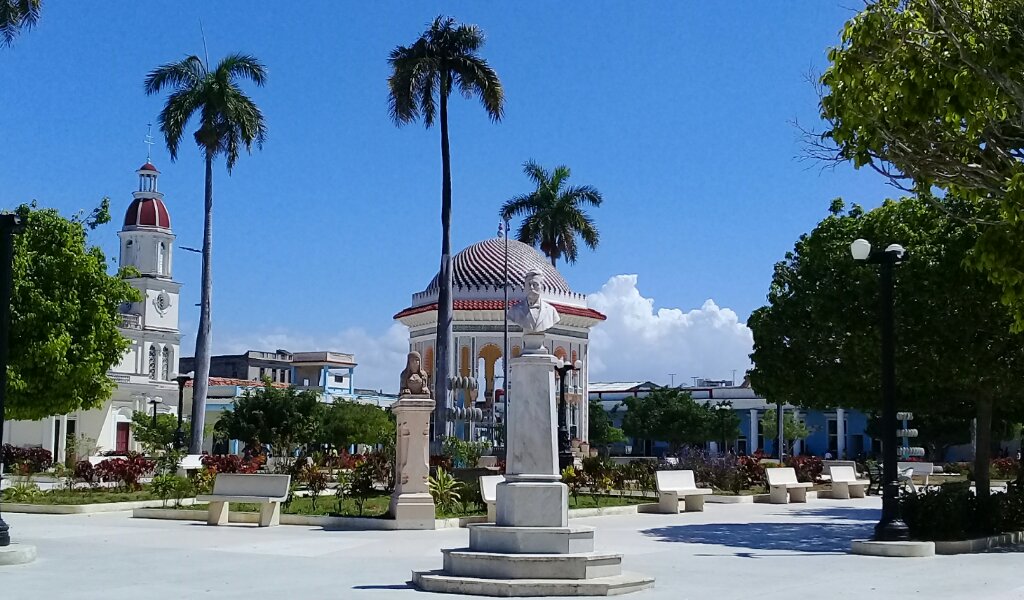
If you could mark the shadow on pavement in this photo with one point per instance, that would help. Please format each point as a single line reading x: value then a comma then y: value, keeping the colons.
x: 397, y: 586
x: 797, y: 537
x: 847, y: 513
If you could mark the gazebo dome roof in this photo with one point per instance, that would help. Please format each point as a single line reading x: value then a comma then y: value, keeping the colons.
x: 147, y: 212
x: 483, y: 265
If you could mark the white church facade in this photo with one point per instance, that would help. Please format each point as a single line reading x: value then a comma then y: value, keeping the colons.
x: 146, y: 372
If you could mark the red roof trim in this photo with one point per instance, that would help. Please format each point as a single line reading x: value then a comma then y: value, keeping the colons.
x: 247, y: 383
x: 148, y: 167
x: 499, y: 305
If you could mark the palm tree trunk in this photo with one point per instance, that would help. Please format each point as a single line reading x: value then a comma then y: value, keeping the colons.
x: 444, y: 295
x: 983, y: 447
x: 202, y: 374
x: 553, y: 261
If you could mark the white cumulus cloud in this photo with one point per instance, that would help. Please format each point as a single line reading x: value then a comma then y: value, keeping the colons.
x: 380, y: 356
x: 639, y: 342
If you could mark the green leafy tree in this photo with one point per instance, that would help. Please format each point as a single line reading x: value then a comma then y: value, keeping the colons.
x: 601, y: 431
x: 17, y: 16
x: 154, y: 438
x: 423, y: 76
x: 930, y: 93
x: 282, y: 417
x: 553, y: 213
x: 228, y: 120
x: 817, y: 342
x: 65, y: 311
x: 668, y: 415
x: 792, y: 429
x: 346, y: 423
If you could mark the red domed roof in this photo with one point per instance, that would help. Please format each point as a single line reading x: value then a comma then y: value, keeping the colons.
x: 147, y: 212
x: 148, y: 167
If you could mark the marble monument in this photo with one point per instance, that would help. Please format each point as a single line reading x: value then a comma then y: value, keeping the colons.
x: 531, y: 550
x: 411, y: 502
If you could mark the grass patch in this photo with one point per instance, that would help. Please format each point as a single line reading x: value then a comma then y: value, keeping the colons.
x: 53, y: 497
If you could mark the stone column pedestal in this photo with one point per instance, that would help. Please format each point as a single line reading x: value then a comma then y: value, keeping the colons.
x: 532, y: 494
x: 411, y: 501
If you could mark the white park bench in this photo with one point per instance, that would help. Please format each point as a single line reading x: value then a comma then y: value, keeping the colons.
x: 783, y: 486
x: 190, y: 462
x: 673, y: 485
x: 916, y: 469
x: 269, y: 491
x: 825, y: 464
x: 845, y: 484
x: 489, y: 493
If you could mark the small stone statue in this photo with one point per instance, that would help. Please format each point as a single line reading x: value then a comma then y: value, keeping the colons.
x: 535, y: 315
x: 414, y: 377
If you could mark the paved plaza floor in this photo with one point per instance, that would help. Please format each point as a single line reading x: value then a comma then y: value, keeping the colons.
x: 729, y: 551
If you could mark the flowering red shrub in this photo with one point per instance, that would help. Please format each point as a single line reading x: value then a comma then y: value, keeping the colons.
x: 347, y: 461
x: 84, y: 471
x: 751, y: 471
x: 808, y: 468
x: 231, y: 463
x: 1005, y: 468
x: 441, y: 460
x: 126, y: 470
x: 26, y: 461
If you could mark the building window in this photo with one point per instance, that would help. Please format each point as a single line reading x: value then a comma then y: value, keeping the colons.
x: 152, y: 362
x: 161, y: 259
x: 263, y: 373
x: 165, y: 365
x: 339, y: 379
x: 833, y: 434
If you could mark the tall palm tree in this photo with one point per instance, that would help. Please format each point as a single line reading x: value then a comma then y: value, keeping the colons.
x: 16, y: 16
x: 228, y: 119
x: 553, y: 213
x: 422, y: 78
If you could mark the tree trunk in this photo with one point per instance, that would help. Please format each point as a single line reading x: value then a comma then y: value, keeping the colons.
x: 202, y: 365
x: 983, y: 447
x: 553, y: 261
x: 444, y: 295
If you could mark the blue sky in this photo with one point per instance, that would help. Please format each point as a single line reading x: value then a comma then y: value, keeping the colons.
x: 680, y: 113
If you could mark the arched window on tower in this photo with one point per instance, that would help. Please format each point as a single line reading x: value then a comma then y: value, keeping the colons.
x: 161, y: 259
x: 165, y: 364
x: 152, y: 362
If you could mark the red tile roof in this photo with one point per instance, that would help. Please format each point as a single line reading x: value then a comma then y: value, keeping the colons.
x: 499, y: 305
x: 147, y: 212
x: 239, y: 382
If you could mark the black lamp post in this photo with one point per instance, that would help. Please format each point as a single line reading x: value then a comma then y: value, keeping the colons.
x: 720, y: 409
x: 156, y: 400
x: 179, y: 435
x: 564, y: 451
x: 9, y: 225
x: 890, y: 527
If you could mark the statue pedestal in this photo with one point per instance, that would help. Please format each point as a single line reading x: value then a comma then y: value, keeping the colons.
x: 532, y: 494
x: 411, y: 502
x: 531, y: 550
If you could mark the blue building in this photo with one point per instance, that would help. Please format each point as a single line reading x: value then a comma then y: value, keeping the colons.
x: 840, y: 431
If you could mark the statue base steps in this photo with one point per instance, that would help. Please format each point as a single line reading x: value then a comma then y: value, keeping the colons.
x: 437, y: 581
x: 488, y: 537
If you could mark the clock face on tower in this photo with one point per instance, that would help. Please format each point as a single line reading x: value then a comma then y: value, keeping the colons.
x: 162, y: 302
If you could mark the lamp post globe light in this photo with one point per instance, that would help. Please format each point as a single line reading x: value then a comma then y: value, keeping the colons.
x: 890, y: 527
x: 179, y: 435
x: 564, y: 450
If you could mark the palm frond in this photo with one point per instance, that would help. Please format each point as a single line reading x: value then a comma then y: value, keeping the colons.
x: 584, y: 194
x: 187, y: 72
x: 535, y: 172
x: 243, y: 66
x: 17, y: 16
x: 517, y: 206
x: 177, y: 111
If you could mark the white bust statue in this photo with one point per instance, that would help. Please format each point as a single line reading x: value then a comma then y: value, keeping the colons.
x: 535, y: 315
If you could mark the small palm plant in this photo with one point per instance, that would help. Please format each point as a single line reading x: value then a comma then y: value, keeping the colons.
x: 444, y: 488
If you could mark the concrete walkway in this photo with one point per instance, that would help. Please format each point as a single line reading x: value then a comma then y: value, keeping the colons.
x: 727, y: 552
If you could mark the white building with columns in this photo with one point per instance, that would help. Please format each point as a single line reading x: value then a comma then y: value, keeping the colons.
x: 146, y: 371
x: 478, y: 276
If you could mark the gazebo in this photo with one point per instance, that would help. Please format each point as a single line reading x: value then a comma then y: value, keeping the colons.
x: 478, y: 277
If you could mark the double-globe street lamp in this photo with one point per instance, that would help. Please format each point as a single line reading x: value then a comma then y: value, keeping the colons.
x: 179, y: 435
x: 890, y: 527
x: 9, y: 225
x: 564, y: 451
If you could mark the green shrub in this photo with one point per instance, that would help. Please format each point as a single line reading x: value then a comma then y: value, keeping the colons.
x: 362, y: 485
x: 444, y: 489
x: 954, y: 512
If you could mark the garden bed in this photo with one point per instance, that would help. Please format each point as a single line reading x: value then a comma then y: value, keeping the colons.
x: 84, y: 508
